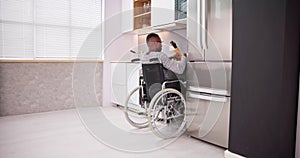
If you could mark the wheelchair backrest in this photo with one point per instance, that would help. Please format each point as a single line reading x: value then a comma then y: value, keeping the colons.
x: 154, y: 77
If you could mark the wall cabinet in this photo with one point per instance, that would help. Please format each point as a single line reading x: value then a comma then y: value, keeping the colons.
x: 127, y: 16
x: 142, y: 14
x: 136, y: 14
x: 125, y: 77
x: 165, y: 12
x: 180, y: 10
x: 156, y: 14
x: 162, y: 12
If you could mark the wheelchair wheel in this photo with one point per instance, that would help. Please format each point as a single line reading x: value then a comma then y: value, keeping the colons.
x: 135, y: 113
x: 167, y: 116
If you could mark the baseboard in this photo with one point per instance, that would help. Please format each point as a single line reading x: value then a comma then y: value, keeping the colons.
x: 228, y: 154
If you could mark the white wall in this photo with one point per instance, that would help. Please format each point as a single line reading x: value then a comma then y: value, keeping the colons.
x: 117, y: 45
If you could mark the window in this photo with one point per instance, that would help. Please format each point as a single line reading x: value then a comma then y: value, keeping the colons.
x: 43, y: 29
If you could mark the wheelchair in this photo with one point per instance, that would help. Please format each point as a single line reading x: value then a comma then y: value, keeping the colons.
x: 157, y: 102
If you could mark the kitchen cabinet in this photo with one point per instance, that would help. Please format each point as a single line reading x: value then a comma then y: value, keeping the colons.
x: 145, y: 15
x: 168, y: 14
x: 180, y: 10
x: 127, y: 16
x: 162, y: 12
x: 125, y: 77
x: 142, y: 13
x: 118, y: 93
x: 136, y: 14
x: 132, y: 74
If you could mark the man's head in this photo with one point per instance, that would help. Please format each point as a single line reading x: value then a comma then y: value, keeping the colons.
x: 154, y: 42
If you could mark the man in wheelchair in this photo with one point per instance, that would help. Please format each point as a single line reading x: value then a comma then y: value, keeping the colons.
x: 161, y: 104
x: 154, y: 44
x: 158, y: 67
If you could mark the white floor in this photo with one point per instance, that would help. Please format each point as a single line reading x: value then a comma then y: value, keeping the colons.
x: 61, y: 134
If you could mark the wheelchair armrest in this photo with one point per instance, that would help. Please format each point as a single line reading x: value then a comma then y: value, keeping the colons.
x: 135, y: 60
x: 173, y: 81
x: 154, y: 59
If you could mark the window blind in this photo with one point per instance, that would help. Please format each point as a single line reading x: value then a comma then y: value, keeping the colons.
x: 46, y: 28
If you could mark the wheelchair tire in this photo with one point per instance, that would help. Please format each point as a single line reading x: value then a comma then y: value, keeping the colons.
x: 134, y: 113
x: 167, y: 117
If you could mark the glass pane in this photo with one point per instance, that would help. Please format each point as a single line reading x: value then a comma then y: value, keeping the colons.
x: 16, y: 10
x: 52, y: 42
x: 16, y: 40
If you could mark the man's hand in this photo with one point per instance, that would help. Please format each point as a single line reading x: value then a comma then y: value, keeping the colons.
x: 178, y: 54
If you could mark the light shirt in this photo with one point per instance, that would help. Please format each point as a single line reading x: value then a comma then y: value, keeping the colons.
x: 173, y: 65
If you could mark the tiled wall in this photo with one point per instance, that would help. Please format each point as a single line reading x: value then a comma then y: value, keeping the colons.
x: 40, y: 87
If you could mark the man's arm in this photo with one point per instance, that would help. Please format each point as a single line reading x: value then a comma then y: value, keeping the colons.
x: 175, y: 66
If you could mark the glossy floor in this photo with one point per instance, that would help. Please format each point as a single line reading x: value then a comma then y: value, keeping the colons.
x: 62, y: 134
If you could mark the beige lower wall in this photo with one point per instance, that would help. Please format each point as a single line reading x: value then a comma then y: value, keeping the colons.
x: 40, y: 87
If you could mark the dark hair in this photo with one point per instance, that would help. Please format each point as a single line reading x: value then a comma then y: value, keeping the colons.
x: 151, y: 35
